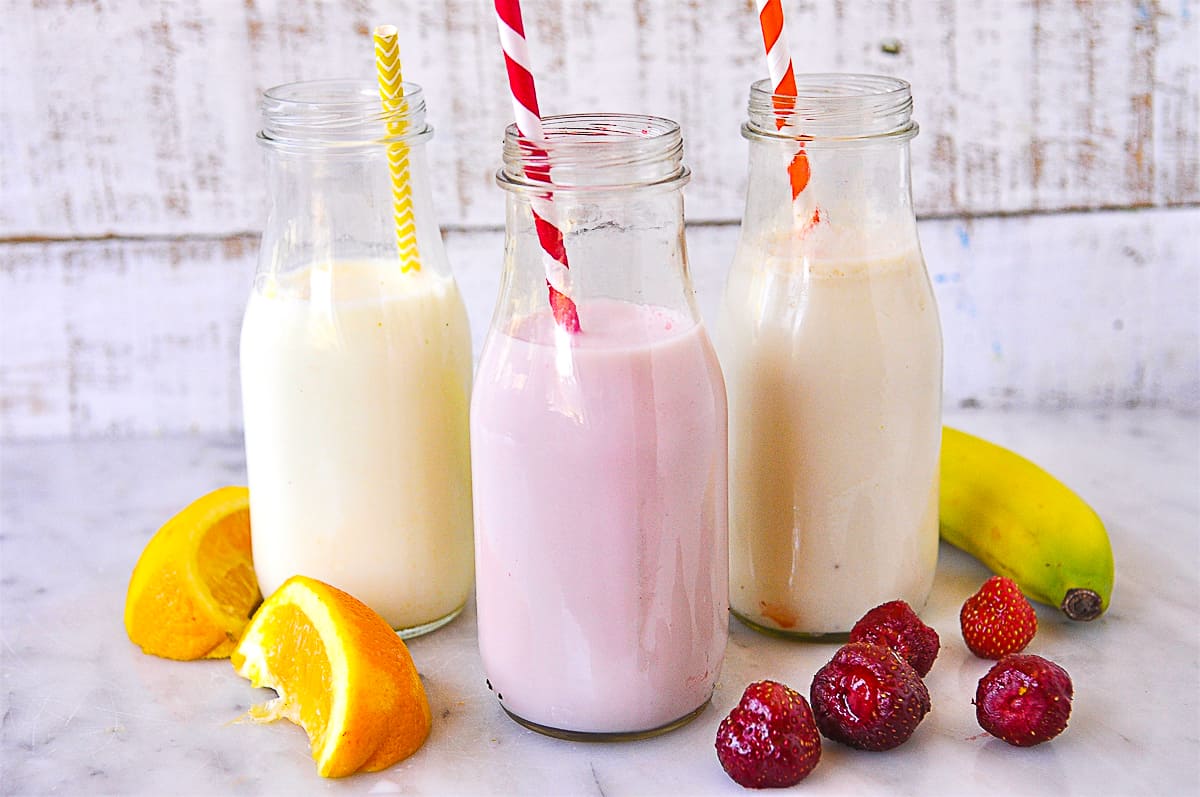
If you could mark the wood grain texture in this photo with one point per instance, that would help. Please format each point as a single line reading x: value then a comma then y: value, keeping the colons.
x: 137, y: 118
x: 1092, y: 309
x: 131, y: 186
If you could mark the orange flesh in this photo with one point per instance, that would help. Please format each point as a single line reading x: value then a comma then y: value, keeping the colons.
x: 301, y: 667
x: 224, y: 564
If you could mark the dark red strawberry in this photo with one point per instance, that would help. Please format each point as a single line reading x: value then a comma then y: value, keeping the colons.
x: 769, y: 739
x: 895, y: 625
x: 1024, y: 700
x: 998, y: 619
x: 868, y: 697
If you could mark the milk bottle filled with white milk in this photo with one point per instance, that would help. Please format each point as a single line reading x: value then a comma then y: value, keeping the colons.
x: 356, y: 362
x: 831, y: 347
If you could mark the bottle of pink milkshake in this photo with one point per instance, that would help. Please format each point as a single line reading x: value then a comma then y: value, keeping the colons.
x: 599, y: 455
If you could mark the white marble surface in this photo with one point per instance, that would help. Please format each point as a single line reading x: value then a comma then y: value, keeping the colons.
x: 85, y: 712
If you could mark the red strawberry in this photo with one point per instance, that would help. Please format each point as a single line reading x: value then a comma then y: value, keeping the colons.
x: 895, y: 625
x: 997, y: 620
x: 769, y: 739
x: 868, y: 697
x: 1024, y: 700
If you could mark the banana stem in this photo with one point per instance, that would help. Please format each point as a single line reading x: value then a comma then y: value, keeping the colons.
x: 1081, y: 604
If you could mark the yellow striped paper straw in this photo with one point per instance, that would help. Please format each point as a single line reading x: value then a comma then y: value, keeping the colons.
x: 391, y: 93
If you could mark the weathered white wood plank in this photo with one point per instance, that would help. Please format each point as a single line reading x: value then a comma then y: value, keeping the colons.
x: 1093, y: 309
x: 1097, y: 309
x: 118, y: 338
x: 137, y: 117
x: 1175, y: 102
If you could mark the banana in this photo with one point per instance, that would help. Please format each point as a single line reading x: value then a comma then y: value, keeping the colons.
x: 1024, y: 524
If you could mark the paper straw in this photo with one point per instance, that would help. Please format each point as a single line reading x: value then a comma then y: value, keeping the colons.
x: 391, y: 94
x: 783, y: 82
x: 529, y: 124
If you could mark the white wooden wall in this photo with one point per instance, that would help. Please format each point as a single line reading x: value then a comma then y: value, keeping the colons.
x: 1057, y: 175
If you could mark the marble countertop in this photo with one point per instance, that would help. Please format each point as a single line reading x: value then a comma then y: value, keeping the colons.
x: 85, y: 712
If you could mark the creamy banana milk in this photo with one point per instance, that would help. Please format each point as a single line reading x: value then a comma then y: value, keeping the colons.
x: 833, y: 370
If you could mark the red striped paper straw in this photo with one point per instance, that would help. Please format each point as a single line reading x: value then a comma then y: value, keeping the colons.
x: 783, y: 81
x: 529, y: 125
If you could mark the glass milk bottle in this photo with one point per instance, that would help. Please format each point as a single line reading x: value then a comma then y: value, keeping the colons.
x: 356, y: 364
x: 600, y: 456
x: 831, y: 347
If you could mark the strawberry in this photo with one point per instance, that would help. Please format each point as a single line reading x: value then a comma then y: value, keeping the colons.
x: 769, y: 739
x: 895, y: 625
x: 868, y: 697
x: 1024, y: 700
x: 997, y: 620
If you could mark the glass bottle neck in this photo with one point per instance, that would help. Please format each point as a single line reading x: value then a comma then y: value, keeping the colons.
x: 335, y: 190
x: 834, y: 109
x: 852, y: 134
x: 611, y: 186
x: 597, y: 152
x: 327, y: 206
x: 866, y: 183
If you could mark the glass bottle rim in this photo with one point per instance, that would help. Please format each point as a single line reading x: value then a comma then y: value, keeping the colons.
x: 594, y: 151
x: 833, y: 109
x: 340, y: 113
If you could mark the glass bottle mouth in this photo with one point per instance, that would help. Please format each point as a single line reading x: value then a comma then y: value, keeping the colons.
x: 322, y: 114
x: 833, y: 109
x: 595, y: 152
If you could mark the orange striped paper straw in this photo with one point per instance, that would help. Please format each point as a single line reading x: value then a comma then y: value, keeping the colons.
x: 783, y: 82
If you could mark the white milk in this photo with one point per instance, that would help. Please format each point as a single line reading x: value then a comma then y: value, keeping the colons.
x: 355, y: 383
x: 833, y: 370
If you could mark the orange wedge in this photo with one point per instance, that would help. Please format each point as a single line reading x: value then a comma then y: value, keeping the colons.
x: 341, y: 673
x: 193, y: 588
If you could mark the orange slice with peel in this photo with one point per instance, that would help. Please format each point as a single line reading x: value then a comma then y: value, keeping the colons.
x: 341, y: 673
x: 193, y: 588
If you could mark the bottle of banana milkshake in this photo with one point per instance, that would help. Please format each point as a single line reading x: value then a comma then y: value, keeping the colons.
x: 830, y: 344
x: 356, y: 362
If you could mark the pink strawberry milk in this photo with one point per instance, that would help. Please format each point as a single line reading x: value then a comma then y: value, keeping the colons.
x: 599, y: 455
